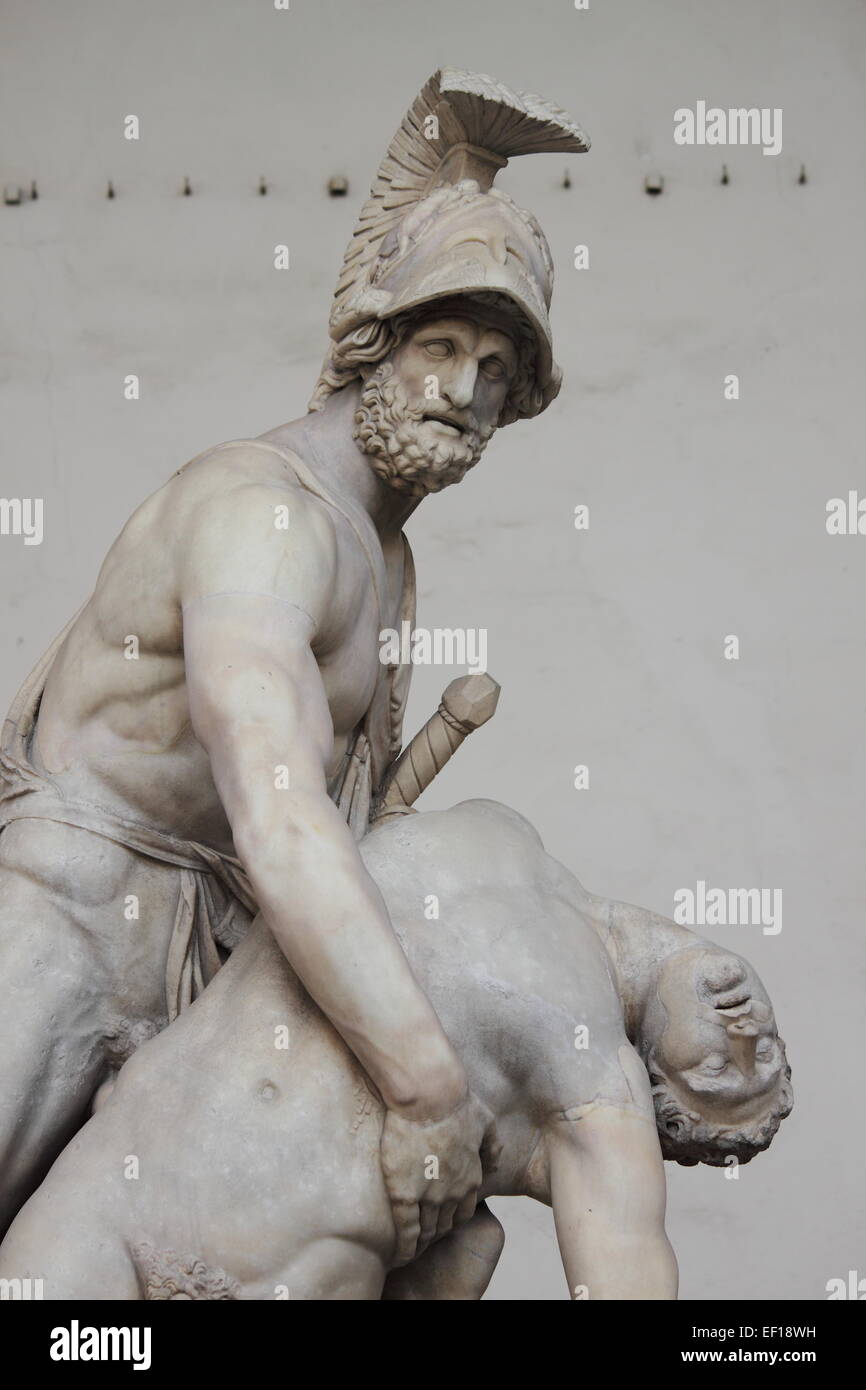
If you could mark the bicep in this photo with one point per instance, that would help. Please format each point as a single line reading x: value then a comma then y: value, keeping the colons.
x: 254, y: 597
x: 256, y: 699
x: 258, y: 539
x: 608, y: 1192
x: 607, y: 1164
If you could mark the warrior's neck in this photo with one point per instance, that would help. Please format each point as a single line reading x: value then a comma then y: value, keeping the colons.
x: 342, y: 466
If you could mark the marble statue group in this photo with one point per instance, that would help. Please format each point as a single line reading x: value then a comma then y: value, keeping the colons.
x: 240, y: 1058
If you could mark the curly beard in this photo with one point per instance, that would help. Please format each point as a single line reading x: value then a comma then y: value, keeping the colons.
x: 402, y: 452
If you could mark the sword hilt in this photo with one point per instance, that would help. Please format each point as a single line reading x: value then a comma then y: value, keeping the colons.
x: 467, y: 703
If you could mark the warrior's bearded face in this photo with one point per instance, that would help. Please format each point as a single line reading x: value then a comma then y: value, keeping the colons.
x: 428, y: 410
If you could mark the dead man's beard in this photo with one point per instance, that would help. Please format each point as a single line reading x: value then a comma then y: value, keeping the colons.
x: 387, y: 430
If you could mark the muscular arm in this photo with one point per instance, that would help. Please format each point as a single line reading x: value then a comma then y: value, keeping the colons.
x: 255, y: 602
x: 252, y: 601
x: 607, y: 1187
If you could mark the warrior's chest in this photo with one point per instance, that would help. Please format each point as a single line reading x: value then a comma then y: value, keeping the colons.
x: 355, y: 672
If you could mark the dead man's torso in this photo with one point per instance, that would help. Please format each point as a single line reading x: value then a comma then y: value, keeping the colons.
x: 268, y: 1150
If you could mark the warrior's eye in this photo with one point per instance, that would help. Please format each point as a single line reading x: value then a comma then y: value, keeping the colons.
x: 492, y: 367
x: 438, y: 347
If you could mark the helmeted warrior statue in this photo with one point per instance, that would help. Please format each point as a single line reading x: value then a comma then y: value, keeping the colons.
x: 209, y: 734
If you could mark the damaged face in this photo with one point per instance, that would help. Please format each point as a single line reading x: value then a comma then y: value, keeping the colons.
x: 428, y: 410
x: 721, y: 1082
x: 719, y: 1047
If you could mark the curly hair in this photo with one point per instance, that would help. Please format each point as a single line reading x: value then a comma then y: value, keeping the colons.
x: 376, y: 339
x: 687, y: 1138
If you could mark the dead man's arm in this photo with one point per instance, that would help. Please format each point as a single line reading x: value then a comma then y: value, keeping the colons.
x: 607, y: 1187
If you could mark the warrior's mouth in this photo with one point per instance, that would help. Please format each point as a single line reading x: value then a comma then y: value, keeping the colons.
x: 446, y: 423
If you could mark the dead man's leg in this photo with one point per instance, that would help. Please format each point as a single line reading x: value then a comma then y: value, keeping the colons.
x: 459, y: 1267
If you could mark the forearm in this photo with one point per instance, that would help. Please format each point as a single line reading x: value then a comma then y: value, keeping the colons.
x: 329, y: 919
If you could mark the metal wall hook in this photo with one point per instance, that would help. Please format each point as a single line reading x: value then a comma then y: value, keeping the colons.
x: 726, y: 178
x: 653, y: 185
x: 802, y: 178
x: 338, y: 186
x: 263, y: 186
x: 187, y: 188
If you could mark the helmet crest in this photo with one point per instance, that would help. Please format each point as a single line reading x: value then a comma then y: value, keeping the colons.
x: 433, y: 227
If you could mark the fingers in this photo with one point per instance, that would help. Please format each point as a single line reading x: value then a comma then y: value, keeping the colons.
x: 407, y: 1219
x: 491, y: 1149
x: 447, y: 1213
x: 439, y: 1219
x: 429, y: 1224
x: 466, y: 1209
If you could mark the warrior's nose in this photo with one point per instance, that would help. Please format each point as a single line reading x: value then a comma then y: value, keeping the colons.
x: 460, y: 388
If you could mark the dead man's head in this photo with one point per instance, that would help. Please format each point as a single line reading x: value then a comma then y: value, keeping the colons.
x: 721, y: 1080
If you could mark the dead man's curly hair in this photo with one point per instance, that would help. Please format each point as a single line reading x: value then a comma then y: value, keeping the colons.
x: 687, y: 1138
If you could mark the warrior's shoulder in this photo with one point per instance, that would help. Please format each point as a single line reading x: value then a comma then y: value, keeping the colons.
x: 247, y: 482
x: 240, y: 462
